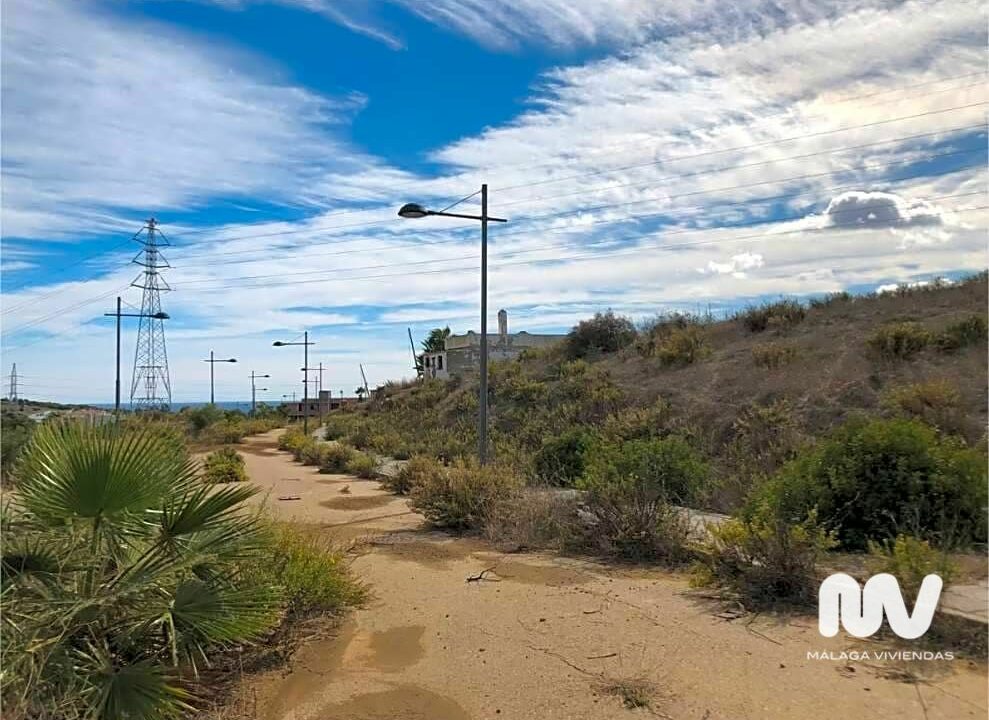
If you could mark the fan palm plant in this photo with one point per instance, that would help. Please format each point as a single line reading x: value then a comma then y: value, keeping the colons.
x: 121, y: 575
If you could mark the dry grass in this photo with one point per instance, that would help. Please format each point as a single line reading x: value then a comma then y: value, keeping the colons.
x: 634, y: 692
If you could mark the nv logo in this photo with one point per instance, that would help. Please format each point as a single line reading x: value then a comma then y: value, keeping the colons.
x: 860, y: 610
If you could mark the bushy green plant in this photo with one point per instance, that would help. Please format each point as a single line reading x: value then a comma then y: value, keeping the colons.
x: 310, y: 452
x: 899, y: 341
x: 936, y: 402
x: 773, y: 355
x: 200, y: 418
x: 362, y: 465
x: 333, y: 457
x: 605, y: 332
x: 833, y: 298
x: 682, y: 346
x: 223, y: 466
x: 121, y: 576
x: 872, y: 479
x: 781, y: 314
x: 560, y: 461
x: 971, y: 330
x: 419, y: 469
x: 463, y: 496
x: 765, y: 560
x: 667, y: 467
x: 292, y: 440
x: 637, y: 423
x: 16, y: 431
x: 910, y: 560
x: 310, y: 574
x: 631, y: 491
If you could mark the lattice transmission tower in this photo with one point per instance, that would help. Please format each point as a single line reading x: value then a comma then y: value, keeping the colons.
x: 12, y: 394
x: 150, y: 387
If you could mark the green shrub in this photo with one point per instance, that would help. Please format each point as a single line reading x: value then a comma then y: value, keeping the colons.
x: 637, y: 423
x: 667, y: 468
x: 833, y: 298
x: 560, y: 461
x: 764, y: 560
x: 935, y: 402
x: 682, y: 346
x: 224, y: 432
x: 899, y: 341
x: 16, y: 431
x: 310, y: 574
x: 910, y: 560
x: 463, y: 496
x: 631, y: 489
x: 360, y: 436
x: 334, y: 457
x: 292, y: 440
x: 968, y: 331
x: 873, y: 479
x: 773, y: 355
x: 223, y: 466
x: 605, y: 332
x: 418, y: 469
x: 782, y: 314
x: 201, y: 417
x: 310, y: 452
x: 362, y: 465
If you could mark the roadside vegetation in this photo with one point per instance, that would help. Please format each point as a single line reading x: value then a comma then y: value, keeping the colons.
x: 130, y: 585
x: 612, y: 441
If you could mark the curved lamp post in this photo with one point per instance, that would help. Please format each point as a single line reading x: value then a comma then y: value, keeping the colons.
x: 254, y: 390
x: 305, y: 376
x: 212, y: 361
x: 414, y: 211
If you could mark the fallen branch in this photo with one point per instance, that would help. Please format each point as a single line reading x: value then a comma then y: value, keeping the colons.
x: 480, y: 576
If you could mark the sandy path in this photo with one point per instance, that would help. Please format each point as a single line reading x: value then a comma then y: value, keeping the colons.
x: 546, y: 636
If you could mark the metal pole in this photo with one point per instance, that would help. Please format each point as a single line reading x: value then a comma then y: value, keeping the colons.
x: 211, y: 363
x: 482, y: 431
x: 116, y: 399
x: 305, y: 386
x: 253, y: 395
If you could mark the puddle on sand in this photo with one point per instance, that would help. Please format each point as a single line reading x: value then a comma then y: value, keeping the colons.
x: 514, y: 571
x: 436, y: 555
x: 408, y: 702
x: 396, y: 648
x: 361, y: 502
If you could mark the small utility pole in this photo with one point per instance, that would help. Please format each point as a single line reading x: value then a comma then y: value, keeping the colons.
x: 119, y: 314
x: 254, y: 391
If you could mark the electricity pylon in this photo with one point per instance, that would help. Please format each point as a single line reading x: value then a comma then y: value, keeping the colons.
x: 13, y: 384
x: 150, y: 386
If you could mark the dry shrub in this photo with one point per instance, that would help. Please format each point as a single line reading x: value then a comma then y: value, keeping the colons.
x: 773, y: 355
x: 782, y: 315
x: 899, y: 341
x: 535, y: 519
x: 223, y: 466
x: 910, y: 560
x: 333, y: 457
x: 765, y: 561
x: 419, y: 469
x: 682, y: 346
x: 935, y: 402
x: 362, y: 465
x: 463, y: 496
x: 605, y: 332
x: 968, y: 331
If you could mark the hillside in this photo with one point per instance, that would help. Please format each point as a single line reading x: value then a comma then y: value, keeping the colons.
x: 748, y: 391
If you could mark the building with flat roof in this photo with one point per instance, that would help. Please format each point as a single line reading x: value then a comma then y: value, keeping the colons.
x: 461, y: 354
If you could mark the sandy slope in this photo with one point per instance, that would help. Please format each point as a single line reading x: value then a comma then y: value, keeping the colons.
x: 546, y: 637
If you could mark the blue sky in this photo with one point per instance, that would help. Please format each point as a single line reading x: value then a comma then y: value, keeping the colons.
x: 649, y: 154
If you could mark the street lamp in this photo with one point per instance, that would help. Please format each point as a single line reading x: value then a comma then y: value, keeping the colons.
x: 213, y: 362
x: 254, y: 390
x: 305, y: 376
x: 118, y: 314
x: 415, y: 211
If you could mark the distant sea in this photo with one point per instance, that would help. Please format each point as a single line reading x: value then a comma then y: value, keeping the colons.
x: 242, y: 405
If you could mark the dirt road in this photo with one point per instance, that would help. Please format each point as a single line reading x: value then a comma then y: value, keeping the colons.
x: 542, y: 637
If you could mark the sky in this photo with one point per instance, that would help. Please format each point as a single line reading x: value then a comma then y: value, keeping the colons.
x: 649, y: 155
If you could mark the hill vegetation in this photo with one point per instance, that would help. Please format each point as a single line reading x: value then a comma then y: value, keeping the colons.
x: 841, y: 423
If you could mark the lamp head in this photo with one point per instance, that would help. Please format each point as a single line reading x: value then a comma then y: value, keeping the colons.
x: 278, y: 343
x: 413, y: 210
x: 161, y: 316
x: 232, y: 360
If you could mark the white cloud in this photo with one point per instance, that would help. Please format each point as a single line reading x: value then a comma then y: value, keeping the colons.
x: 736, y: 266
x: 857, y: 209
x: 106, y: 117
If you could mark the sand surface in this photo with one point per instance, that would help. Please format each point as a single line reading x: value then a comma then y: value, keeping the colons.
x: 545, y: 637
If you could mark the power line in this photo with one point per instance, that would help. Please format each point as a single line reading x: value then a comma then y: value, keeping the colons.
x: 699, y: 173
